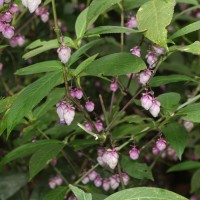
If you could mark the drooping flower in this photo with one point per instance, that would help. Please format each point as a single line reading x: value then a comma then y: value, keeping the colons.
x: 188, y: 125
x: 14, y: 9
x: 144, y: 76
x: 98, y: 181
x: 132, y: 22
x: 110, y: 157
x: 78, y: 94
x: 158, y: 49
x: 134, y: 153
x: 89, y: 106
x: 125, y: 178
x: 155, y: 108
x: 151, y: 59
x: 136, y: 51
x: 146, y: 101
x: 98, y: 125
x: 114, y: 181
x: 113, y: 86
x: 32, y: 5
x: 92, y: 175
x: 161, y: 144
x: 106, y: 184
x: 64, y: 53
x: 89, y: 127
x: 8, y: 32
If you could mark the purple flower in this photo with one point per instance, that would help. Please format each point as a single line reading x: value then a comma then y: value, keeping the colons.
x: 134, y: 153
x: 113, y: 86
x: 78, y: 93
x: 14, y: 9
x: 8, y: 32
x: 98, y: 125
x: 136, y: 51
x: 89, y: 106
x: 161, y: 144
x: 114, y: 181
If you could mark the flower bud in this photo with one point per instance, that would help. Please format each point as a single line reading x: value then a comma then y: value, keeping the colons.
x: 113, y: 87
x: 158, y: 49
x: 85, y: 180
x: 52, y: 183
x: 161, y: 144
x: 78, y: 94
x: 89, y: 106
x: 114, y: 181
x: 58, y: 180
x: 98, y: 125
x: 2, y: 26
x: 125, y: 178
x: 60, y: 111
x: 132, y: 23
x: 32, y: 5
x: 151, y: 59
x: 188, y: 125
x: 72, y: 197
x: 1, y: 2
x: 89, y: 127
x: 155, y: 151
x: 20, y: 40
x: 8, y: 32
x: 136, y: 51
x: 14, y: 9
x: 100, y: 151
x: 64, y: 53
x: 110, y: 157
x: 69, y: 113
x: 53, y: 161
x: 155, y: 108
x: 144, y: 76
x: 13, y: 42
x: 72, y: 93
x: 101, y: 161
x: 146, y: 101
x: 134, y: 153
x: 39, y: 11
x: 98, y: 181
x: 7, y: 17
x: 92, y: 175
x: 106, y: 184
x: 45, y: 16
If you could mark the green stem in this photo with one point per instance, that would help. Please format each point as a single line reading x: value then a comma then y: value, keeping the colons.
x: 120, y: 176
x: 103, y: 108
x: 60, y: 174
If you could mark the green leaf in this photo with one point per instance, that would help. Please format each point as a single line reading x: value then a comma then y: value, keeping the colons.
x: 176, y: 136
x: 39, y: 46
x: 136, y: 169
x: 111, y: 29
x: 145, y: 193
x: 30, y: 97
x: 26, y: 150
x: 191, y: 112
x: 130, y: 4
x: 115, y: 64
x: 41, y: 157
x: 84, y: 65
x: 10, y: 184
x: 195, y: 184
x: 187, y: 165
x: 80, y: 194
x: 193, y: 48
x: 185, y: 30
x: 56, y: 194
x: 81, y: 23
x: 98, y: 196
x: 193, y: 2
x: 154, y: 16
x: 97, y: 8
x: 169, y: 100
x: 3, y: 46
x: 6, y: 103
x: 162, y: 80
x: 76, y: 55
x: 46, y: 66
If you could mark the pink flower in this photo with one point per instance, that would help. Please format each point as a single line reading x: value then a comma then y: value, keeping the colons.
x: 89, y: 127
x: 125, y: 178
x: 114, y: 181
x: 161, y: 144
x: 98, y: 125
x: 64, y: 53
x: 85, y: 180
x: 151, y: 59
x: 98, y: 181
x: 144, y: 76
x: 2, y: 26
x: 155, y: 151
x: 188, y: 125
x: 155, y: 108
x: 158, y: 49
x: 1, y: 2
x: 113, y: 86
x: 14, y: 9
x: 45, y: 16
x: 106, y: 184
x: 89, y: 106
x: 132, y: 22
x: 52, y: 183
x: 7, y: 17
x: 134, y: 153
x: 8, y: 32
x: 92, y: 175
x: 146, y: 101
x: 110, y: 157
x: 20, y: 40
x: 78, y: 94
x: 136, y: 51
x: 58, y: 180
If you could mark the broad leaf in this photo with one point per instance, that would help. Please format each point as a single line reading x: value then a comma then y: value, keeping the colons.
x: 169, y: 100
x: 10, y: 184
x: 176, y: 136
x: 154, y: 16
x: 185, y: 30
x: 110, y: 29
x: 162, y: 80
x: 195, y: 184
x: 136, y: 169
x: 115, y: 64
x: 26, y: 150
x: 30, y: 97
x: 193, y: 48
x: 41, y: 157
x: 56, y: 194
x: 187, y: 165
x: 130, y: 4
x: 46, y: 66
x: 191, y: 112
x: 193, y: 2
x: 97, y: 7
x: 145, y: 193
x: 80, y: 194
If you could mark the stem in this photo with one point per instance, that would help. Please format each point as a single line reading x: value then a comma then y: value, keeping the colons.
x: 103, y: 108
x: 59, y: 173
x: 111, y: 104
x: 120, y: 176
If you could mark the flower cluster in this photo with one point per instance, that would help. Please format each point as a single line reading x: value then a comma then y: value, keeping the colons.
x: 55, y: 181
x: 43, y: 13
x: 160, y: 145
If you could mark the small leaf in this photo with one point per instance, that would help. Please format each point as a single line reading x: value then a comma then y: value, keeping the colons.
x: 169, y: 100
x: 46, y: 66
x: 136, y: 169
x: 41, y: 157
x: 80, y: 194
x: 185, y: 30
x: 176, y: 136
x: 110, y: 29
x: 195, y: 184
x: 145, y: 193
x: 115, y: 64
x: 162, y: 80
x: 193, y: 48
x: 187, y: 165
x: 154, y: 16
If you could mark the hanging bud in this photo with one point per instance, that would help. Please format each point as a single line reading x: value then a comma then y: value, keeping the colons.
x: 69, y: 113
x: 72, y: 93
x: 100, y: 152
x: 144, y: 76
x: 32, y: 5
x: 106, y: 184
x: 158, y: 49
x: 151, y: 59
x: 72, y: 197
x: 136, y: 51
x: 13, y: 42
x: 188, y: 125
x: 20, y: 40
x: 58, y: 180
x: 8, y: 32
x: 98, y: 181
x: 125, y: 178
x: 132, y: 22
x: 89, y: 127
x: 78, y: 94
x: 14, y: 9
x: 60, y: 111
x: 52, y: 183
x: 45, y: 16
x: 113, y: 86
x: 7, y: 17
x: 89, y: 106
x: 134, y: 153
x: 110, y: 157
x: 161, y: 144
x: 155, y: 151
x: 92, y: 175
x: 155, y: 108
x: 85, y: 180
x: 64, y: 53
x: 2, y: 26
x: 146, y: 101
x: 114, y: 181
x: 98, y: 125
